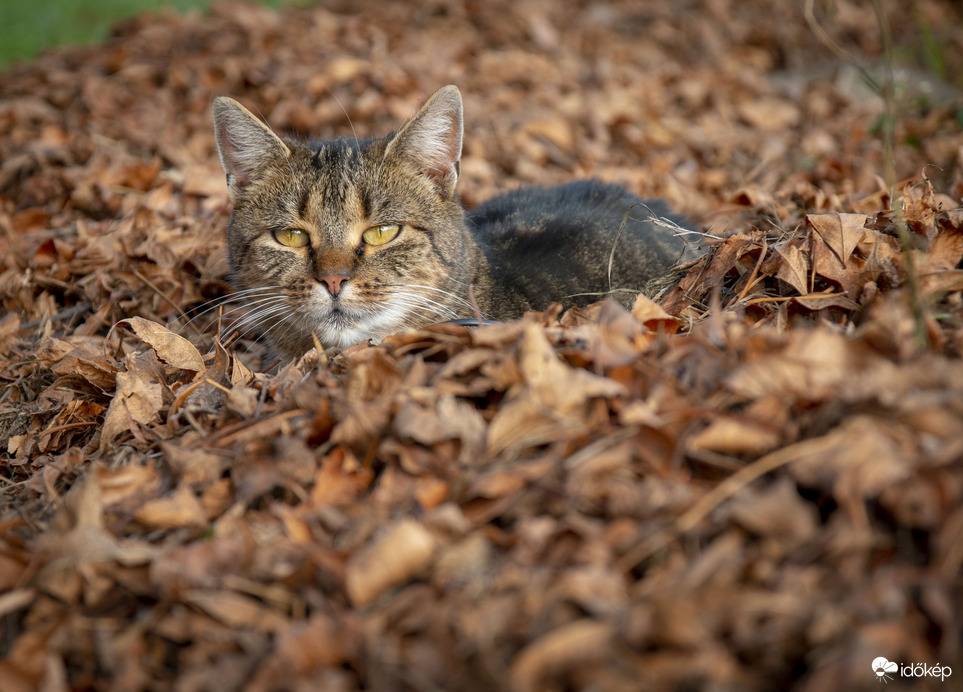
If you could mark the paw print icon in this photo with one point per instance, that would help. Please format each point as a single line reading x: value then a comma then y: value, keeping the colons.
x: 883, y: 668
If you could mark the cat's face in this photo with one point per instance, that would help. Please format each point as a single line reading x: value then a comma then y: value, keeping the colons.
x: 345, y: 240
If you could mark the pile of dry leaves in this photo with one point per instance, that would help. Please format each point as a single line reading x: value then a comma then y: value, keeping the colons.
x: 752, y: 481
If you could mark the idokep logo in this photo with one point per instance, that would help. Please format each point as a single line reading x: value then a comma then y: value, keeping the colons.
x: 885, y: 670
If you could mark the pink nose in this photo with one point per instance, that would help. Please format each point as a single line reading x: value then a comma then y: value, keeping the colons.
x: 334, y: 282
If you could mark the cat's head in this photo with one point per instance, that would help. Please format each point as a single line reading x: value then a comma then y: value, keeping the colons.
x: 345, y: 239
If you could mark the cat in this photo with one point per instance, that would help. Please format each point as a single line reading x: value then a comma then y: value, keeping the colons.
x: 347, y: 240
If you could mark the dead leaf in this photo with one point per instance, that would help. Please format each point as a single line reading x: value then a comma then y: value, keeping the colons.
x: 398, y: 554
x: 794, y: 269
x: 777, y: 511
x: 575, y: 644
x: 756, y: 430
x: 449, y: 419
x: 653, y: 316
x: 170, y: 347
x: 236, y: 610
x: 919, y: 207
x: 842, y: 233
x: 583, y: 499
x: 179, y: 510
x: 138, y: 400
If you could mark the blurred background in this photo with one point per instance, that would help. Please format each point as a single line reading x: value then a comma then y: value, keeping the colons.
x: 29, y: 26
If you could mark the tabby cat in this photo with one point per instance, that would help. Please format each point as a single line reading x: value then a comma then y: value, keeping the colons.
x: 349, y: 240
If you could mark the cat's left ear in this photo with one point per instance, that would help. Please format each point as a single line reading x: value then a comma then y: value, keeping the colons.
x: 432, y: 139
x: 245, y: 144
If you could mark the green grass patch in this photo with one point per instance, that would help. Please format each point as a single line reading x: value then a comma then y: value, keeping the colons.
x: 30, y: 26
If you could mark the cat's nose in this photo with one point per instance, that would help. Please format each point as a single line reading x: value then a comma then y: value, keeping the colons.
x: 334, y: 282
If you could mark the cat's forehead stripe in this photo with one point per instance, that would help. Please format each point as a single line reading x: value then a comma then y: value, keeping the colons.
x: 303, y: 202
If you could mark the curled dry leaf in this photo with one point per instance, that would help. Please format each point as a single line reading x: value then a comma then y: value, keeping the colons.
x: 80, y: 357
x: 756, y: 430
x: 653, y: 315
x: 794, y: 268
x: 864, y: 458
x: 812, y: 365
x: 777, y: 510
x: 138, y: 400
x: 574, y: 645
x: 236, y: 610
x: 315, y: 644
x: 449, y: 419
x: 170, y: 347
x: 842, y: 233
x: 401, y: 552
x: 919, y: 208
x: 179, y: 510
x: 552, y: 402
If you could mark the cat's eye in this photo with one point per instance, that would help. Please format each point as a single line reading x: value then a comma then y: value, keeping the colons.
x: 380, y: 234
x: 292, y: 237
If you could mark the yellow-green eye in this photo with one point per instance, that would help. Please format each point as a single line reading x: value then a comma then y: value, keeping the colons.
x: 292, y: 237
x: 381, y: 234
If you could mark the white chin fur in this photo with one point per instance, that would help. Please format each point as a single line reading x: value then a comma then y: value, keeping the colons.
x: 350, y: 327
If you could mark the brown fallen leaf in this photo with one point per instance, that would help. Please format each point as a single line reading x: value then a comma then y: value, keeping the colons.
x: 812, y: 365
x: 710, y: 271
x: 865, y: 458
x: 842, y: 233
x: 179, y: 510
x: 560, y: 472
x: 776, y: 511
x: 756, y: 430
x: 919, y: 208
x: 170, y: 347
x: 794, y: 269
x: 653, y: 316
x: 340, y: 479
x: 236, y: 610
x: 124, y: 488
x: 566, y: 647
x: 317, y: 643
x: 552, y: 403
x: 79, y: 357
x: 399, y: 553
x: 138, y: 400
x: 448, y: 419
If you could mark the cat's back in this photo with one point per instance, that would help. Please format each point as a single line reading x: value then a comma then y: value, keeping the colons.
x: 548, y: 244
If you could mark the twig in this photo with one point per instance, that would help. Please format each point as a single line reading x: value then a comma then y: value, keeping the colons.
x: 722, y: 492
x: 69, y: 426
x: 216, y: 385
x: 783, y: 299
x: 169, y: 301
x: 755, y: 270
x: 62, y: 315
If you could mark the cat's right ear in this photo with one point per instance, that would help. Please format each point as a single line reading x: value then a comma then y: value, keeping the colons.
x: 244, y: 143
x: 432, y: 139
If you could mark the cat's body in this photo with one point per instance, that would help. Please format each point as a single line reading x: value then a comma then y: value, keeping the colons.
x: 349, y: 240
x: 553, y: 244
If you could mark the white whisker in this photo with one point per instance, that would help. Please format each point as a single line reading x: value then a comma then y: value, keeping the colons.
x: 220, y: 301
x: 434, y: 310
x: 437, y: 290
x: 262, y: 312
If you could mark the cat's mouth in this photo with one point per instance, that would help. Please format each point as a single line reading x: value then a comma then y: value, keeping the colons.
x: 339, y: 318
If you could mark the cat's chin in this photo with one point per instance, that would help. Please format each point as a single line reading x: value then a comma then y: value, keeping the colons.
x: 339, y: 327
